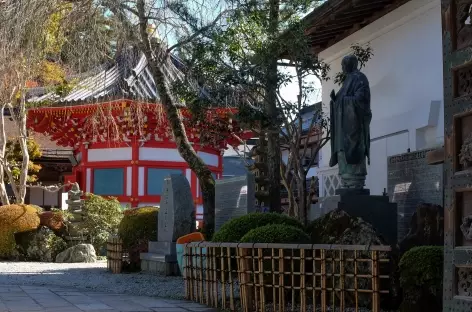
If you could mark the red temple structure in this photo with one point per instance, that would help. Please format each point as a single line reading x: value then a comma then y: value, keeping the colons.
x: 121, y: 140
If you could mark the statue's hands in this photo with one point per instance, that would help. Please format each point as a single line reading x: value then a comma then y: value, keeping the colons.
x: 333, y: 95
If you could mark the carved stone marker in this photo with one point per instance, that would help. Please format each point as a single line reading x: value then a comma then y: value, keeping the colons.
x: 176, y: 218
x: 235, y: 197
x: 177, y: 212
x: 412, y: 181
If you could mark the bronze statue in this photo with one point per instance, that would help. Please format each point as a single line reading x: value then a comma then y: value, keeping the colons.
x: 350, y: 117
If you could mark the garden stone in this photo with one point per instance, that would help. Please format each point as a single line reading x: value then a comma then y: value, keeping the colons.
x: 79, y: 253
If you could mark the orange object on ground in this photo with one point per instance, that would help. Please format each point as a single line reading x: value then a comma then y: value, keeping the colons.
x: 192, y: 237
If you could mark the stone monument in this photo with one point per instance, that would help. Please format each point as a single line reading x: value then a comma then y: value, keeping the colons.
x: 234, y: 197
x: 176, y: 219
x: 350, y: 118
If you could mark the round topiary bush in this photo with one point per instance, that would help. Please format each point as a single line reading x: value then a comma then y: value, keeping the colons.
x: 276, y: 233
x: 136, y: 229
x: 15, y: 219
x: 138, y: 224
x: 233, y: 230
x: 102, y: 215
x: 421, y: 278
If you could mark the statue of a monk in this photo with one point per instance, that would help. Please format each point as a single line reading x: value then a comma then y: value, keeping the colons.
x: 350, y: 116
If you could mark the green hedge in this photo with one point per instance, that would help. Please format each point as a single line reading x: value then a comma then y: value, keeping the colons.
x: 234, y: 230
x: 421, y: 278
x: 137, y: 225
x: 276, y: 233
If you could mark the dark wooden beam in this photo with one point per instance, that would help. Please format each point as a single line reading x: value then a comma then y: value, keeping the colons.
x: 436, y: 156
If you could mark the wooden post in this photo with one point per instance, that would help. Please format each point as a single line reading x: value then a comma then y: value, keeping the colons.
x: 375, y: 282
x: 115, y: 254
x: 245, y: 279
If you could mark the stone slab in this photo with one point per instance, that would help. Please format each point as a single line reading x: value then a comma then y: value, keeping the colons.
x: 347, y: 191
x: 234, y: 197
x: 177, y: 212
x: 94, y: 302
x: 412, y: 181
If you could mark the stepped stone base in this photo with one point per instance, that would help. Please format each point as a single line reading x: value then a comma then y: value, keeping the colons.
x: 161, y: 259
x: 157, y: 264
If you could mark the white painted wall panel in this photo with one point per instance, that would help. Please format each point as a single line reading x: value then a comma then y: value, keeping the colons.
x: 37, y: 196
x: 209, y: 159
x: 110, y: 154
x: 51, y: 199
x: 141, y: 181
x: 129, y: 180
x: 159, y: 154
x: 188, y: 174
x: 172, y: 155
x: 148, y: 205
x: 88, y: 180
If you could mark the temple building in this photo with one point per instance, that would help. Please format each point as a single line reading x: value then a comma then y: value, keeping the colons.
x: 121, y: 139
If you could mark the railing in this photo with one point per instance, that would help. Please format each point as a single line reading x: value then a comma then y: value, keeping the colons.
x: 283, y: 277
x: 53, y: 152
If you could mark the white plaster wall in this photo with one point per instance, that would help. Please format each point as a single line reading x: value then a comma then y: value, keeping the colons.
x: 110, y: 154
x: 129, y: 180
x: 188, y: 175
x: 141, y: 181
x: 51, y: 199
x: 209, y: 159
x: 148, y: 205
x: 172, y: 155
x: 88, y: 180
x: 406, y: 81
x: 37, y: 196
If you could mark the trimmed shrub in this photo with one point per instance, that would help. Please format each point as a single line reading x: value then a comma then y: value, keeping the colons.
x: 15, y: 219
x: 136, y: 229
x: 138, y: 224
x: 233, y: 230
x: 39, y: 245
x: 421, y: 278
x: 276, y: 233
x: 53, y: 220
x: 101, y: 218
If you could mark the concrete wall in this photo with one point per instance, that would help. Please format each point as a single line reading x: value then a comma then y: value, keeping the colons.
x: 406, y: 83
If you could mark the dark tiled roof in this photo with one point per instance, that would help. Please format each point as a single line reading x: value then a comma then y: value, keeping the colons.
x: 128, y: 77
x: 334, y: 20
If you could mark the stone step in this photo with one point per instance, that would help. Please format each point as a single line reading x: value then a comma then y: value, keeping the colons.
x: 159, y: 264
x: 166, y: 248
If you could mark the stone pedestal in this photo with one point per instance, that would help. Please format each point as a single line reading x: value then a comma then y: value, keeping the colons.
x: 376, y: 210
x: 176, y: 219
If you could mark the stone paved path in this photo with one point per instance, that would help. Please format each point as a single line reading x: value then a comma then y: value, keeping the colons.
x: 53, y: 299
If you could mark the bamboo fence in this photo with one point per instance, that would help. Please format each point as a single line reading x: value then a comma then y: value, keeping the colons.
x: 286, y: 277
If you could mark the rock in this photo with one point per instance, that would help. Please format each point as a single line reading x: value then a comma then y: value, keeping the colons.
x: 338, y: 227
x: 426, y: 228
x: 79, y: 253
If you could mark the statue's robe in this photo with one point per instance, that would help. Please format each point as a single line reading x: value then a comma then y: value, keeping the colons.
x: 350, y: 120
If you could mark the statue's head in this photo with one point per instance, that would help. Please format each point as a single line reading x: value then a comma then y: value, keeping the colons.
x: 349, y: 64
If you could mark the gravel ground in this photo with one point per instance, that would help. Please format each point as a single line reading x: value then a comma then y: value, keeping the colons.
x: 91, y: 277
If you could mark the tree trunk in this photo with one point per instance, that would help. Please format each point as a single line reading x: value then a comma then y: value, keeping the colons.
x: 302, y: 203
x: 3, y: 142
x: 23, y: 139
x: 273, y: 135
x: 184, y: 147
x: 157, y: 59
